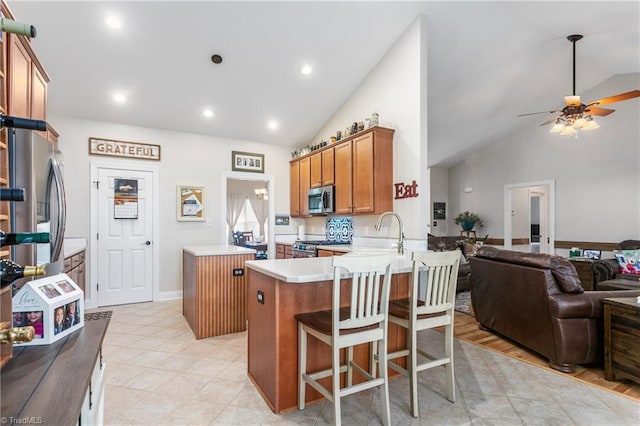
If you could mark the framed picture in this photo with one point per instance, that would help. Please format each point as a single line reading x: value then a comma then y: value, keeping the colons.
x: 439, y: 210
x: 247, y: 162
x: 190, y: 203
x: 282, y: 219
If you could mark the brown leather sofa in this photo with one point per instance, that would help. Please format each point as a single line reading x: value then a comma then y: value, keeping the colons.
x: 453, y: 243
x: 607, y: 274
x: 537, y: 301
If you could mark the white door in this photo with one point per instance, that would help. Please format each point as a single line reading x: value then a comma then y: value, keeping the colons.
x: 542, y: 196
x: 124, y: 239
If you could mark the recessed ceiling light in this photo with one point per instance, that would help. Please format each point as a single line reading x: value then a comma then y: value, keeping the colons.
x: 273, y: 124
x: 113, y: 22
x: 119, y: 97
x: 306, y: 69
x: 207, y: 113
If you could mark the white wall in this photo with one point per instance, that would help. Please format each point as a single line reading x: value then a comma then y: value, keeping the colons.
x: 597, y: 175
x: 186, y: 159
x: 392, y: 89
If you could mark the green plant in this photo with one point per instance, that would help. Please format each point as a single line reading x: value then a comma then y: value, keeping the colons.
x: 467, y: 220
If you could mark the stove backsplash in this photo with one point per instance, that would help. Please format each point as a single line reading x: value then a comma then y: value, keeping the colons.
x: 339, y: 229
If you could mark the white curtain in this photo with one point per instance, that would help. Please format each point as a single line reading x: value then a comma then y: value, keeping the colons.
x: 261, y: 210
x: 235, y: 202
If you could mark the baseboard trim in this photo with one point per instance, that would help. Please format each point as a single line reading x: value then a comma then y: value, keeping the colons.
x: 169, y: 295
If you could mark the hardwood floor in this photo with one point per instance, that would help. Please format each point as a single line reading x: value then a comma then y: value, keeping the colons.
x: 466, y: 328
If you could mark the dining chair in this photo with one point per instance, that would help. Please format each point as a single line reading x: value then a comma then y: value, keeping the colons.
x: 247, y: 236
x: 434, y: 308
x: 362, y: 318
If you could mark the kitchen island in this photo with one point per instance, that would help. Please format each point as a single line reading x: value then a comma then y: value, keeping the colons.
x: 279, y: 289
x: 214, y: 289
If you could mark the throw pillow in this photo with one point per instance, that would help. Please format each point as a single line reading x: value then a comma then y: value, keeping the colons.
x: 629, y: 261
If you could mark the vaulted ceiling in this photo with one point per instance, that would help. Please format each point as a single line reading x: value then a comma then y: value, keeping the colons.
x: 487, y: 62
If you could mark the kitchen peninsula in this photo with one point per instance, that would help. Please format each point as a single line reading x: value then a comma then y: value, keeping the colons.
x: 279, y: 289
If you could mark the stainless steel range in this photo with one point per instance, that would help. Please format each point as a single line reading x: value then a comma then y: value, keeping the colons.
x: 310, y: 248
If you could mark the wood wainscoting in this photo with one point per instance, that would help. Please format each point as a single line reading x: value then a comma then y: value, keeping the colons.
x: 559, y: 244
x: 214, y: 299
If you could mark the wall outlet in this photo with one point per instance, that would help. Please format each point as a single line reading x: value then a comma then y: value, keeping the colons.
x: 238, y: 272
x: 260, y: 297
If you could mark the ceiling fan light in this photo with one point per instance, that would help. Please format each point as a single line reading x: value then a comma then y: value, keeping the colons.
x: 568, y: 131
x: 579, y: 123
x: 557, y: 128
x: 572, y: 100
x: 591, y: 124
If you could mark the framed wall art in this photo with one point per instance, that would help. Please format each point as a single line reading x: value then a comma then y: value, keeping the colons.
x: 190, y: 203
x: 247, y: 162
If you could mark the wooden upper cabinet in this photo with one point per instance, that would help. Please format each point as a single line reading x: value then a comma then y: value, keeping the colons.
x: 38, y: 96
x: 364, y: 173
x: 19, y: 78
x: 294, y: 188
x: 342, y: 193
x: 28, y: 82
x: 305, y: 184
x: 299, y: 172
x: 360, y: 167
x: 322, y: 168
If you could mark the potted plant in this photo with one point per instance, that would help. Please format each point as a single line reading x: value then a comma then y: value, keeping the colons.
x: 467, y: 220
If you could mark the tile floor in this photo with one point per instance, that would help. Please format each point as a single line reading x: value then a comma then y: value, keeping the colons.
x: 158, y: 374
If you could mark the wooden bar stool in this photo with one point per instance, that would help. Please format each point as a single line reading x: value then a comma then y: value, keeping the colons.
x: 434, y: 309
x: 364, y: 320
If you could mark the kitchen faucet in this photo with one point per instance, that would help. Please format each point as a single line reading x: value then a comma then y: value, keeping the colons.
x: 400, y: 229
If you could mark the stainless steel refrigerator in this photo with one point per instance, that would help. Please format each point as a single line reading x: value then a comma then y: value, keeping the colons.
x: 35, y: 164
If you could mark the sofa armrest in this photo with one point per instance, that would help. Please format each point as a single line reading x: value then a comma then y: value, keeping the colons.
x: 604, y: 269
x: 584, y: 305
x: 630, y: 277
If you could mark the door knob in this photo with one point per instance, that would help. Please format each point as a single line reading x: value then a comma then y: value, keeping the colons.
x: 147, y: 243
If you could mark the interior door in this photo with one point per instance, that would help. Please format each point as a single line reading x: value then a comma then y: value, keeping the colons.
x: 125, y: 228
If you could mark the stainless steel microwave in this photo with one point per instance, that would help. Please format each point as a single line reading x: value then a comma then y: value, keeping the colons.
x: 321, y: 200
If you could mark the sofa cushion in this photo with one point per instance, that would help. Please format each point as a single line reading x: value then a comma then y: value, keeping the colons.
x: 562, y: 270
x: 629, y: 261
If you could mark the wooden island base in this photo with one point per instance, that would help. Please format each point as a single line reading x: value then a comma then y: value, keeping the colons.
x: 273, y: 334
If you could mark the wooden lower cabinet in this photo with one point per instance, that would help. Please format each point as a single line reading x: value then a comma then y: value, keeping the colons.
x: 74, y: 267
x: 284, y: 251
x: 329, y: 253
x: 273, y: 335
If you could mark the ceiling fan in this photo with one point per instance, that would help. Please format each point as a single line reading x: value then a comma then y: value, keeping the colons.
x: 577, y: 115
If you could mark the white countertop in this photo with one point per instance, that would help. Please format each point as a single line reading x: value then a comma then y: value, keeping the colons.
x: 213, y: 250
x: 310, y: 269
x: 71, y: 246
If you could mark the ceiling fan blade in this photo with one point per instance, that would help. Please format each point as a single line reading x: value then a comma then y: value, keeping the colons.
x: 573, y: 100
x: 616, y: 98
x: 598, y: 111
x: 541, y: 112
x: 551, y: 120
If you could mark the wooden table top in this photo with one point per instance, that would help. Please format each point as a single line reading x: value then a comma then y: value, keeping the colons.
x: 628, y: 302
x: 48, y: 383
